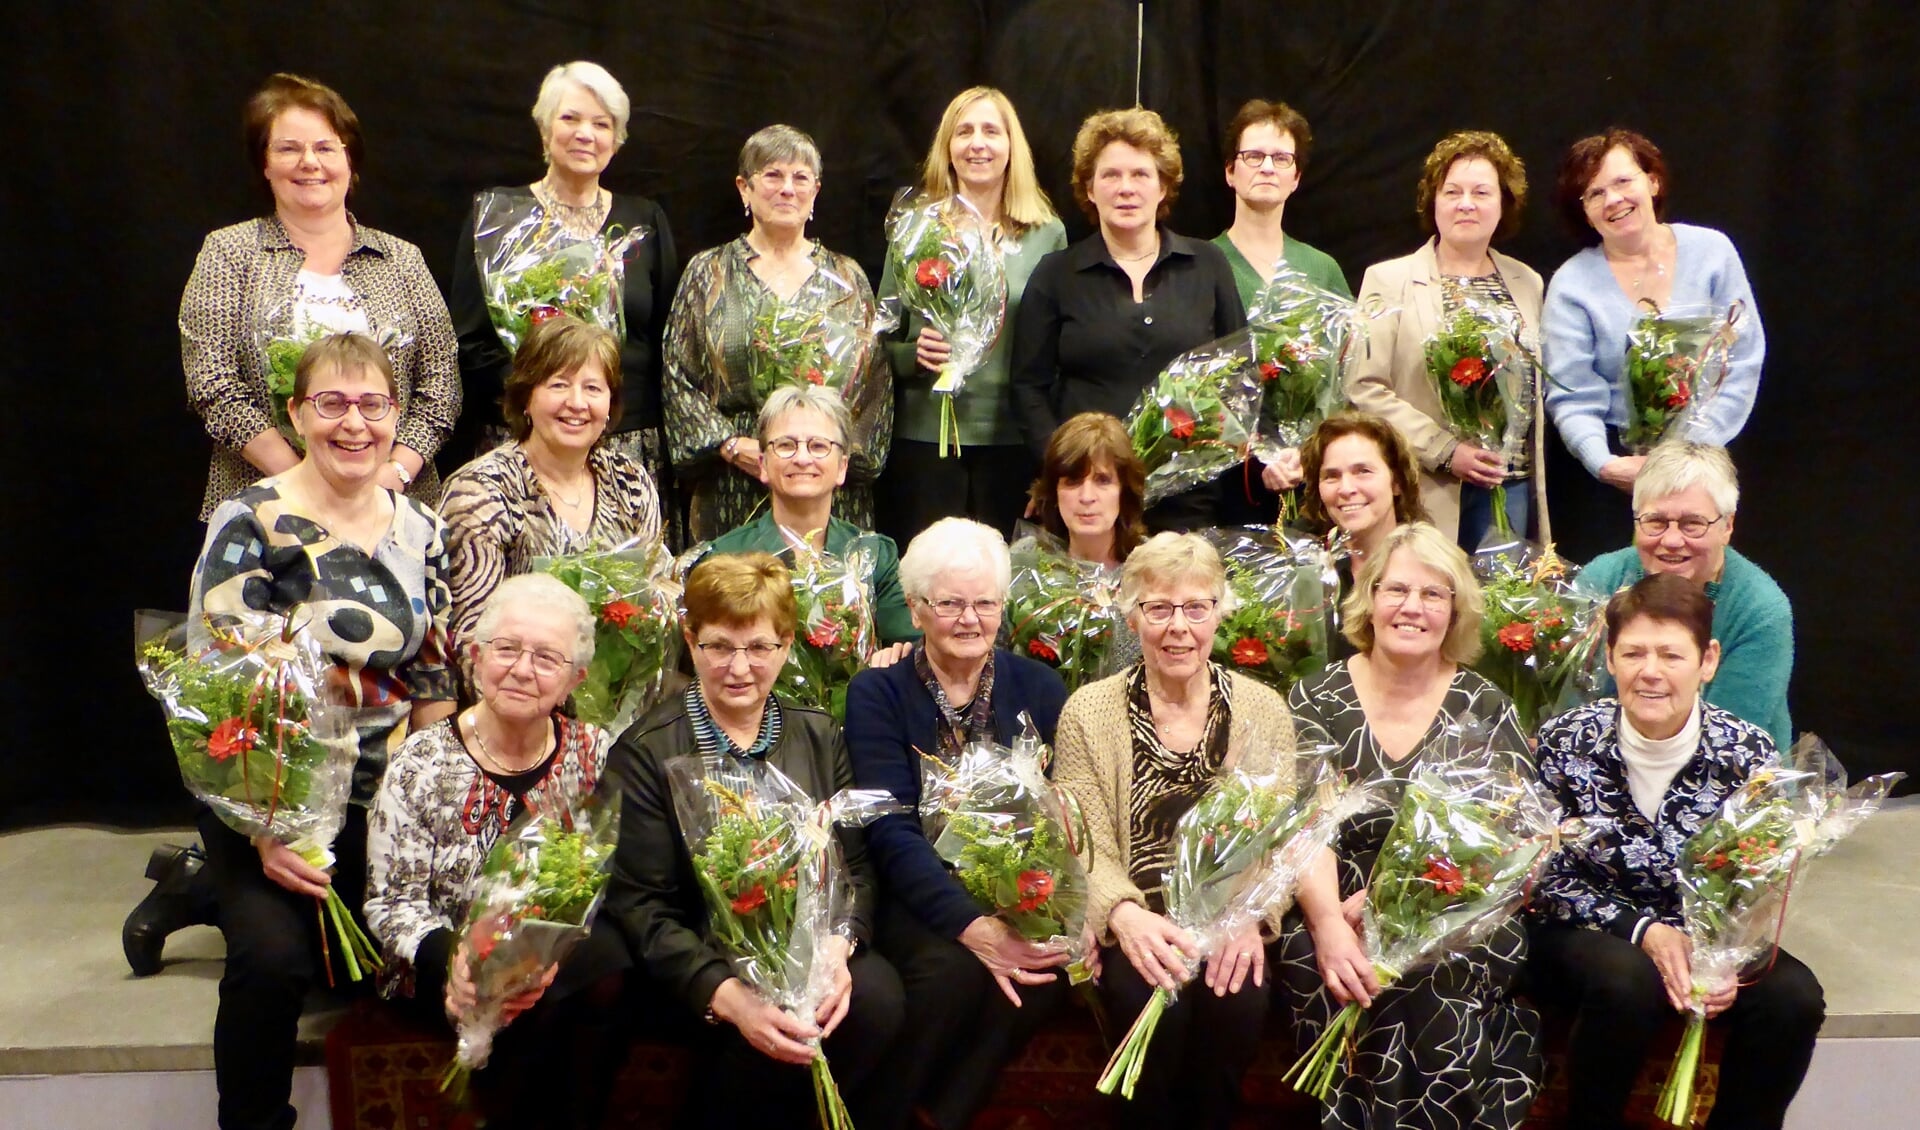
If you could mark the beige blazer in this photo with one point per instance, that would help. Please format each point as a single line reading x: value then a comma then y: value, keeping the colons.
x: 1391, y: 379
x: 1093, y: 748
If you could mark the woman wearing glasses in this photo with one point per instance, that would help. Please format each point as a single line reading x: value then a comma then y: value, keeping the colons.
x: 1684, y: 500
x: 750, y: 1057
x: 1471, y: 193
x: 310, y: 268
x: 1448, y: 1046
x: 1612, y: 193
x: 556, y: 488
x: 975, y: 989
x: 452, y: 790
x: 364, y: 569
x: 802, y: 440
x: 1138, y: 750
x: 710, y: 397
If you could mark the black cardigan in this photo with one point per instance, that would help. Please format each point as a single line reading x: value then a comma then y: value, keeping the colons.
x: 652, y: 893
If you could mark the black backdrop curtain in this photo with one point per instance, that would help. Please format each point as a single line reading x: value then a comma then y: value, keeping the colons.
x: 1789, y: 126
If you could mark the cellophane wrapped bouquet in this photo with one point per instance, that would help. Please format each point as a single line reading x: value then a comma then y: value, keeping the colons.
x: 1197, y: 417
x: 801, y: 340
x: 532, y: 268
x: 1238, y: 852
x: 256, y: 741
x: 1675, y: 361
x: 1735, y: 876
x: 774, y: 881
x: 1305, y: 337
x: 835, y: 633
x: 534, y: 902
x: 1542, y: 639
x: 1482, y: 372
x: 948, y: 269
x: 1467, y: 839
x: 1015, y: 840
x: 1062, y: 611
x: 635, y: 600
x: 1282, y: 587
x: 282, y: 335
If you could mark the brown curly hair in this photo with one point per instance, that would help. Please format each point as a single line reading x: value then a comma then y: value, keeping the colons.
x: 1582, y: 163
x: 1142, y: 129
x: 1394, y: 451
x: 1465, y: 145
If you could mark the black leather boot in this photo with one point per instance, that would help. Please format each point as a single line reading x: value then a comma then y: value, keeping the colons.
x: 181, y: 897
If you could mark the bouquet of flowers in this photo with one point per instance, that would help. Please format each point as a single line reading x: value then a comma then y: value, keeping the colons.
x: 636, y: 639
x: 945, y: 262
x: 1282, y: 588
x: 1063, y: 612
x: 1464, y: 847
x: 532, y: 268
x: 835, y: 632
x: 535, y: 901
x: 800, y: 341
x: 1541, y: 638
x: 282, y: 337
x: 1197, y: 417
x: 774, y: 882
x: 1675, y: 362
x: 1014, y: 840
x: 1237, y: 852
x: 1304, y: 339
x: 1735, y: 875
x: 1482, y: 373
x: 256, y: 742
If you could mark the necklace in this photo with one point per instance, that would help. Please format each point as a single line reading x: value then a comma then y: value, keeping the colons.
x: 486, y: 755
x: 572, y: 503
x: 1148, y: 254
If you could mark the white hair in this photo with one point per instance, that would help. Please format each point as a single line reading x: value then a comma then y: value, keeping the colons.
x: 590, y: 77
x: 954, y: 545
x: 540, y: 593
x: 1681, y: 465
x: 812, y: 398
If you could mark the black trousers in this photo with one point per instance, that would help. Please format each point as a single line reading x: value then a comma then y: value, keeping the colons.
x: 273, y: 959
x: 1201, y: 1049
x: 960, y: 1030
x: 918, y: 488
x: 1619, y: 1007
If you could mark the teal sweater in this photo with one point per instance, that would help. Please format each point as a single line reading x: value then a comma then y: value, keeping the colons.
x: 984, y: 408
x: 1753, y: 622
x: 890, y: 617
x: 1317, y: 265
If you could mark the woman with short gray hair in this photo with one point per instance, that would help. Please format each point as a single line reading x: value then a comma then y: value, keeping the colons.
x: 711, y: 402
x: 581, y: 113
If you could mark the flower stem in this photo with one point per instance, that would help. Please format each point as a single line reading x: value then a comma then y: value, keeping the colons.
x: 1675, y: 1107
x: 1123, y: 1070
x: 1316, y: 1072
x: 826, y: 1094
x: 1500, y: 521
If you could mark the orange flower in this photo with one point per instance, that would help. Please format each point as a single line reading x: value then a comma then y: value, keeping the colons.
x: 1517, y: 636
x: 1036, y: 887
x: 750, y: 900
x: 1249, y: 652
x: 825, y: 634
x: 1468, y: 371
x: 816, y: 377
x: 619, y: 613
x: 232, y: 738
x: 1179, y: 423
x: 1039, y: 649
x: 1445, y: 875
x: 932, y: 273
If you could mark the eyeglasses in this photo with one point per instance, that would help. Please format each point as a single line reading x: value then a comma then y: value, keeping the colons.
x: 1161, y: 611
x: 289, y: 152
x: 1691, y: 525
x: 952, y: 608
x: 507, y: 652
x: 1397, y: 593
x: 775, y: 180
x: 786, y: 447
x: 333, y: 405
x: 1595, y: 196
x: 758, y: 653
x: 1255, y: 158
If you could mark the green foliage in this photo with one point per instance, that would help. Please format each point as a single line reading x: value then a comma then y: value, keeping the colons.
x: 1062, y: 612
x: 1278, y: 640
x: 636, y: 629
x: 239, y: 728
x: 1463, y: 357
x: 834, y: 631
x: 282, y: 361
x: 1665, y: 359
x: 1537, y: 637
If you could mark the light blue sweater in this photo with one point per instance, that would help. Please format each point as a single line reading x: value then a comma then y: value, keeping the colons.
x: 1586, y: 320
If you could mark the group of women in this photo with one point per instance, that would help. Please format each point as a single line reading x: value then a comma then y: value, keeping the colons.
x: 460, y: 664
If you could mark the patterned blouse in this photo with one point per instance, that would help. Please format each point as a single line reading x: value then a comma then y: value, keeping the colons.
x: 381, y: 618
x: 1623, y: 880
x: 241, y: 286
x: 436, y: 817
x: 1166, y: 783
x: 709, y: 391
x: 499, y: 519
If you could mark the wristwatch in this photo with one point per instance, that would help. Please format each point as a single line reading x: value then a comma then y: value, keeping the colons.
x: 400, y: 469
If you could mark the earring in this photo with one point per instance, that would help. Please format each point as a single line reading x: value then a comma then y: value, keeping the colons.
x: 746, y: 209
x: 809, y: 215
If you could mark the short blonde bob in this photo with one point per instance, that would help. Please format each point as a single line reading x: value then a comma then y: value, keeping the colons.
x: 737, y: 589
x: 1436, y: 551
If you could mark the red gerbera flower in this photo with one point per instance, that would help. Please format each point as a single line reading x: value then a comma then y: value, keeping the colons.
x: 1179, y: 423
x: 1679, y: 396
x: 1249, y: 652
x: 1444, y: 875
x: 932, y: 273
x: 1517, y: 636
x: 232, y: 738
x: 1036, y: 887
x: 816, y: 377
x: 1270, y: 370
x: 539, y: 314
x: 750, y: 900
x: 1467, y: 372
x: 1040, y: 649
x: 825, y: 634
x: 619, y: 613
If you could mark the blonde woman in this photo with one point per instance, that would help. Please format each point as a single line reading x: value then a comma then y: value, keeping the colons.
x: 981, y: 160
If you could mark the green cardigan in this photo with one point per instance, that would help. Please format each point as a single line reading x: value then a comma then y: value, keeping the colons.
x: 1753, y: 621
x: 1317, y: 265
x: 984, y: 408
x: 890, y: 617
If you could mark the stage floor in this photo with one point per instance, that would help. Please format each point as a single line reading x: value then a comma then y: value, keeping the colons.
x: 68, y: 1005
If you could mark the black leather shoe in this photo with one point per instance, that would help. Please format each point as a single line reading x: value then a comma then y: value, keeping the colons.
x: 171, y: 905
